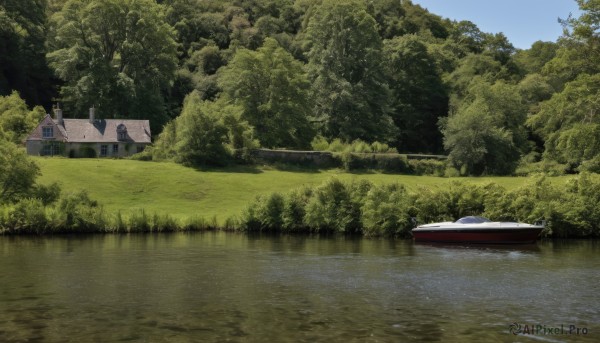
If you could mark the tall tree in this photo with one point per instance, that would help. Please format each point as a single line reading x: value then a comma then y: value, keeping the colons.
x: 197, y: 23
x: 345, y: 67
x: 568, y: 122
x: 468, y: 36
x: 272, y: 89
x: 201, y: 136
x: 389, y: 15
x: 118, y: 55
x: 533, y: 59
x: 419, y: 96
x: 471, y: 69
x: 206, y: 133
x: 579, y: 50
x: 419, y: 21
x: 486, y: 134
x: 498, y: 46
x: 578, y: 104
x: 22, y: 51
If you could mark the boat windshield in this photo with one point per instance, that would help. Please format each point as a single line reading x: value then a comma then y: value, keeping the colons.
x: 472, y: 220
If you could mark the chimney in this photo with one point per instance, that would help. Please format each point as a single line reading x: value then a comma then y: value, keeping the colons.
x: 59, y: 115
x: 92, y: 114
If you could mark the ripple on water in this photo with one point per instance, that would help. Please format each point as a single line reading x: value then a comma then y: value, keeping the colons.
x: 220, y: 287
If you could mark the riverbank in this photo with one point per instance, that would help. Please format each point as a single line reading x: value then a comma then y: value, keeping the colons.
x: 123, y: 196
x: 181, y: 192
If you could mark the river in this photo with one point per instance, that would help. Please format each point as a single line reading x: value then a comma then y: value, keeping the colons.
x: 225, y: 287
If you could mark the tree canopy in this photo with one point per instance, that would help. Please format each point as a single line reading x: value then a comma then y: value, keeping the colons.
x: 273, y: 91
x: 280, y: 72
x: 351, y: 97
x: 16, y: 120
x: 119, y: 56
x: 23, y: 66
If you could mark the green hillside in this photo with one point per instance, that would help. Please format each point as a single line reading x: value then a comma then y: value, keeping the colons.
x: 181, y: 192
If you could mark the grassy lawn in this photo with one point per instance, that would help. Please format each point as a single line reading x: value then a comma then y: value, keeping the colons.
x: 183, y: 192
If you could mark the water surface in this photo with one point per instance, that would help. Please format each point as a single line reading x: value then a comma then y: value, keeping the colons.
x: 239, y: 288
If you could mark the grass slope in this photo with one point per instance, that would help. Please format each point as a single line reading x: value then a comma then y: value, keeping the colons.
x: 162, y: 187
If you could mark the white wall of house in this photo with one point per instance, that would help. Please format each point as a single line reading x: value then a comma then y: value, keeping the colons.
x: 51, y: 148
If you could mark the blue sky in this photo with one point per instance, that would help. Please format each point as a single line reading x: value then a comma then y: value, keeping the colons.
x: 522, y: 21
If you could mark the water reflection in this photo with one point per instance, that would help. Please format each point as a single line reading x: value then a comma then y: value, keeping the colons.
x: 232, y: 287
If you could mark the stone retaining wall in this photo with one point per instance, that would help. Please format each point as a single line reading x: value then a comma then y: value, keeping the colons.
x: 314, y: 158
x: 321, y: 158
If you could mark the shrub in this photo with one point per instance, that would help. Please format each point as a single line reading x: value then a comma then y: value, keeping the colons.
x: 430, y: 206
x: 270, y: 214
x: 592, y: 166
x: 25, y: 216
x: 294, y: 210
x: 393, y: 163
x: 319, y: 143
x: 451, y: 172
x: 386, y: 211
x: 359, y: 147
x: 146, y: 155
x: 464, y: 199
x: 383, y: 148
x: 337, y: 146
x: 264, y: 214
x: 428, y: 167
x: 17, y: 173
x: 548, y: 167
x: 79, y: 213
x: 87, y: 152
x: 330, y: 209
x: 47, y: 194
x: 250, y: 216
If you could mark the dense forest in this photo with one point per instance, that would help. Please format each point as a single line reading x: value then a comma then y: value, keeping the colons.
x: 217, y: 76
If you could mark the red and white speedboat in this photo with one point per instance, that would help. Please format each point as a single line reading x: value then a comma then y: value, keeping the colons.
x: 478, y: 230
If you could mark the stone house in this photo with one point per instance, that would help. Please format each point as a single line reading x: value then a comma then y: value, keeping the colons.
x: 88, y: 137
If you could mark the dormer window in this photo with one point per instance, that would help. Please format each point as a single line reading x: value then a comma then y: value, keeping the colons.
x: 121, y: 132
x: 47, y: 132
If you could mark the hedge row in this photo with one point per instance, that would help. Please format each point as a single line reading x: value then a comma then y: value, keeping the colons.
x: 571, y: 210
x: 352, y: 161
x: 77, y: 213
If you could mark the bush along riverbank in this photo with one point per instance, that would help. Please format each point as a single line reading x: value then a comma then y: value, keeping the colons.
x: 571, y: 210
x: 77, y: 213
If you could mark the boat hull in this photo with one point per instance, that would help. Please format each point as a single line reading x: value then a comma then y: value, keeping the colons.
x: 487, y: 235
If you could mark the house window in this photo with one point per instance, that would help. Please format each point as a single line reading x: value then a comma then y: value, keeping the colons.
x: 47, y: 132
x: 103, y: 150
x: 140, y: 148
x: 115, y: 149
x: 50, y: 150
x: 121, y: 132
x: 47, y: 150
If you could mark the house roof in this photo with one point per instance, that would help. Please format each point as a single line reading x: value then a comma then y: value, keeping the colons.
x: 105, y: 130
x: 98, y: 131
